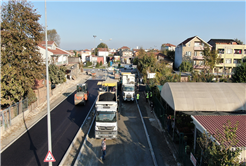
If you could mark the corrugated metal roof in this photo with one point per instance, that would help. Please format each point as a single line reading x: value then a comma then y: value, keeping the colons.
x: 201, y: 96
x: 212, y: 123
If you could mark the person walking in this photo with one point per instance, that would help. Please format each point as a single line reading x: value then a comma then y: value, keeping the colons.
x: 137, y: 96
x: 103, y: 149
x: 147, y: 96
x: 169, y: 124
x: 150, y: 96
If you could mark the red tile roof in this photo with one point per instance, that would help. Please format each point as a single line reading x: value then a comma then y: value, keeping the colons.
x: 169, y: 45
x: 102, y: 49
x: 86, y: 50
x: 124, y: 47
x: 49, y: 42
x: 213, y: 122
x: 57, y: 51
x: 187, y: 40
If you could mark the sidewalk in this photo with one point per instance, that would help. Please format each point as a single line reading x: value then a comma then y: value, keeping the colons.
x: 31, y: 118
x: 164, y: 149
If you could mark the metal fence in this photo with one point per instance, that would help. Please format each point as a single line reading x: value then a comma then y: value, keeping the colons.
x: 8, y: 114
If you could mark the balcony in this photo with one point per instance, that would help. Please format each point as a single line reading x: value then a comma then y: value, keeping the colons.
x: 200, y: 67
x: 198, y: 48
x: 198, y: 57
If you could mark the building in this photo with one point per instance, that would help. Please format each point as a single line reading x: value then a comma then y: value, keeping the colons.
x: 85, y: 53
x: 191, y: 50
x: 168, y: 46
x: 56, y: 55
x: 103, y: 52
x: 230, y: 54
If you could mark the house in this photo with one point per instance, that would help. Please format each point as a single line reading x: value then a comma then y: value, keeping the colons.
x: 168, y: 46
x: 103, y: 52
x: 191, y: 50
x: 230, y: 54
x: 212, y: 123
x: 163, y: 58
x: 56, y: 55
x: 85, y: 53
x: 125, y: 51
x: 93, y: 60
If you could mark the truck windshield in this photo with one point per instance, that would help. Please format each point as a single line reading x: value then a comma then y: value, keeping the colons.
x: 128, y: 88
x: 106, y: 116
x: 80, y: 88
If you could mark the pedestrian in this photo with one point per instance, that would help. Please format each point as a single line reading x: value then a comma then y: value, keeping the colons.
x: 137, y: 96
x: 150, y: 96
x: 147, y: 96
x: 151, y: 106
x: 103, y: 149
x: 138, y: 86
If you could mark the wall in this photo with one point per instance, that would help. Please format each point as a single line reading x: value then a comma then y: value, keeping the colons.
x: 178, y: 57
x: 100, y: 58
x: 43, y: 54
x: 72, y: 60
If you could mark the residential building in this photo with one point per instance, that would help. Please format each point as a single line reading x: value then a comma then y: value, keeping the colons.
x: 93, y: 60
x: 125, y: 51
x: 230, y: 54
x: 56, y: 55
x: 103, y: 52
x: 168, y: 46
x: 191, y: 50
x: 85, y: 53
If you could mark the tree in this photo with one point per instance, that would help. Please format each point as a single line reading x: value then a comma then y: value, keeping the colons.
x: 186, y: 66
x: 238, y: 41
x: 240, y: 73
x: 57, y: 74
x: 171, y: 55
x: 97, y: 65
x: 101, y: 63
x: 52, y: 35
x: 220, y: 151
x: 21, y: 61
x: 210, y: 57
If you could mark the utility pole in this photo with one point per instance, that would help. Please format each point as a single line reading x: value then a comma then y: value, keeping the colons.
x: 47, y: 86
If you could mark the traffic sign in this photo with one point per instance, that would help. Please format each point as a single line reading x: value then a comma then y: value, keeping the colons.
x: 49, y: 157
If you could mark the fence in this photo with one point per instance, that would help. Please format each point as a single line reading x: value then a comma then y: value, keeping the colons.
x: 8, y: 114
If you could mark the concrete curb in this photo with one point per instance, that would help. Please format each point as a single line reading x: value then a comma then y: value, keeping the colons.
x: 75, y: 138
x: 147, y: 136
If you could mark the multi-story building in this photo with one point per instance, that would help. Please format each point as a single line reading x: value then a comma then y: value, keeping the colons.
x: 229, y: 53
x: 85, y: 53
x: 104, y: 53
x: 191, y: 50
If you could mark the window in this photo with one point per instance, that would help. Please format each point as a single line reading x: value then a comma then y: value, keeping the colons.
x: 236, y: 61
x: 195, y: 53
x: 221, y: 51
x: 189, y: 44
x: 228, y: 61
x: 197, y: 44
x: 200, y: 54
x: 244, y: 51
x: 237, y: 51
x: 229, y: 51
x: 188, y: 53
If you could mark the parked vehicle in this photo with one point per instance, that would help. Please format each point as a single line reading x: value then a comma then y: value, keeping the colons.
x: 82, y: 94
x: 106, y: 110
x: 129, y: 67
x: 116, y: 74
x: 128, y: 86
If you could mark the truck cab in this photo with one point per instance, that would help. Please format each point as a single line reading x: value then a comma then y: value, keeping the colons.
x: 82, y: 94
x: 106, y: 111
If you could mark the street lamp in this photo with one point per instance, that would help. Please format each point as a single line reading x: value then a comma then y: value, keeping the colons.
x: 94, y: 43
x: 105, y: 56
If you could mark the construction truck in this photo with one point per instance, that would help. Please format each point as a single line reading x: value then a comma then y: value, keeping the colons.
x: 82, y: 94
x: 128, y: 86
x: 116, y: 74
x: 106, y: 110
x: 93, y: 73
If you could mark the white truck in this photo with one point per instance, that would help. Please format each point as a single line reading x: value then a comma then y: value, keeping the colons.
x: 128, y: 86
x: 106, y: 110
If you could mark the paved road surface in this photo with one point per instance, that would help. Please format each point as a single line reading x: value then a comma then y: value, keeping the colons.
x: 32, y: 147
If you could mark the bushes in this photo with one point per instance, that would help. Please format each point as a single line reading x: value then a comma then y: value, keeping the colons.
x: 88, y: 63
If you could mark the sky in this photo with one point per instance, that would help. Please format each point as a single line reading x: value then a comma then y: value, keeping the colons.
x: 144, y: 24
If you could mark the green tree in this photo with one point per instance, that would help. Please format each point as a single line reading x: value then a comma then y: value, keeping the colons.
x: 238, y: 41
x: 97, y: 65
x: 52, y: 35
x: 101, y: 63
x: 186, y: 66
x: 240, y: 73
x: 21, y: 62
x: 171, y: 55
x: 135, y: 61
x: 221, y: 152
x: 57, y: 74
x: 210, y: 57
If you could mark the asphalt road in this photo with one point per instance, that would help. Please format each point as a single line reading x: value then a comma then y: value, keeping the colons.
x: 130, y: 147
x: 66, y: 119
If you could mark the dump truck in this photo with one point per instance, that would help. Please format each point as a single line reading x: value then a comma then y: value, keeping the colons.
x: 116, y: 74
x: 82, y: 94
x: 128, y: 86
x: 106, y: 110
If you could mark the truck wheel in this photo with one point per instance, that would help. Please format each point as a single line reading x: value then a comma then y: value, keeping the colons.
x: 84, y: 102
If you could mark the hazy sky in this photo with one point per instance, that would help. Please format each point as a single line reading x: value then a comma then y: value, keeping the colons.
x: 144, y: 24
